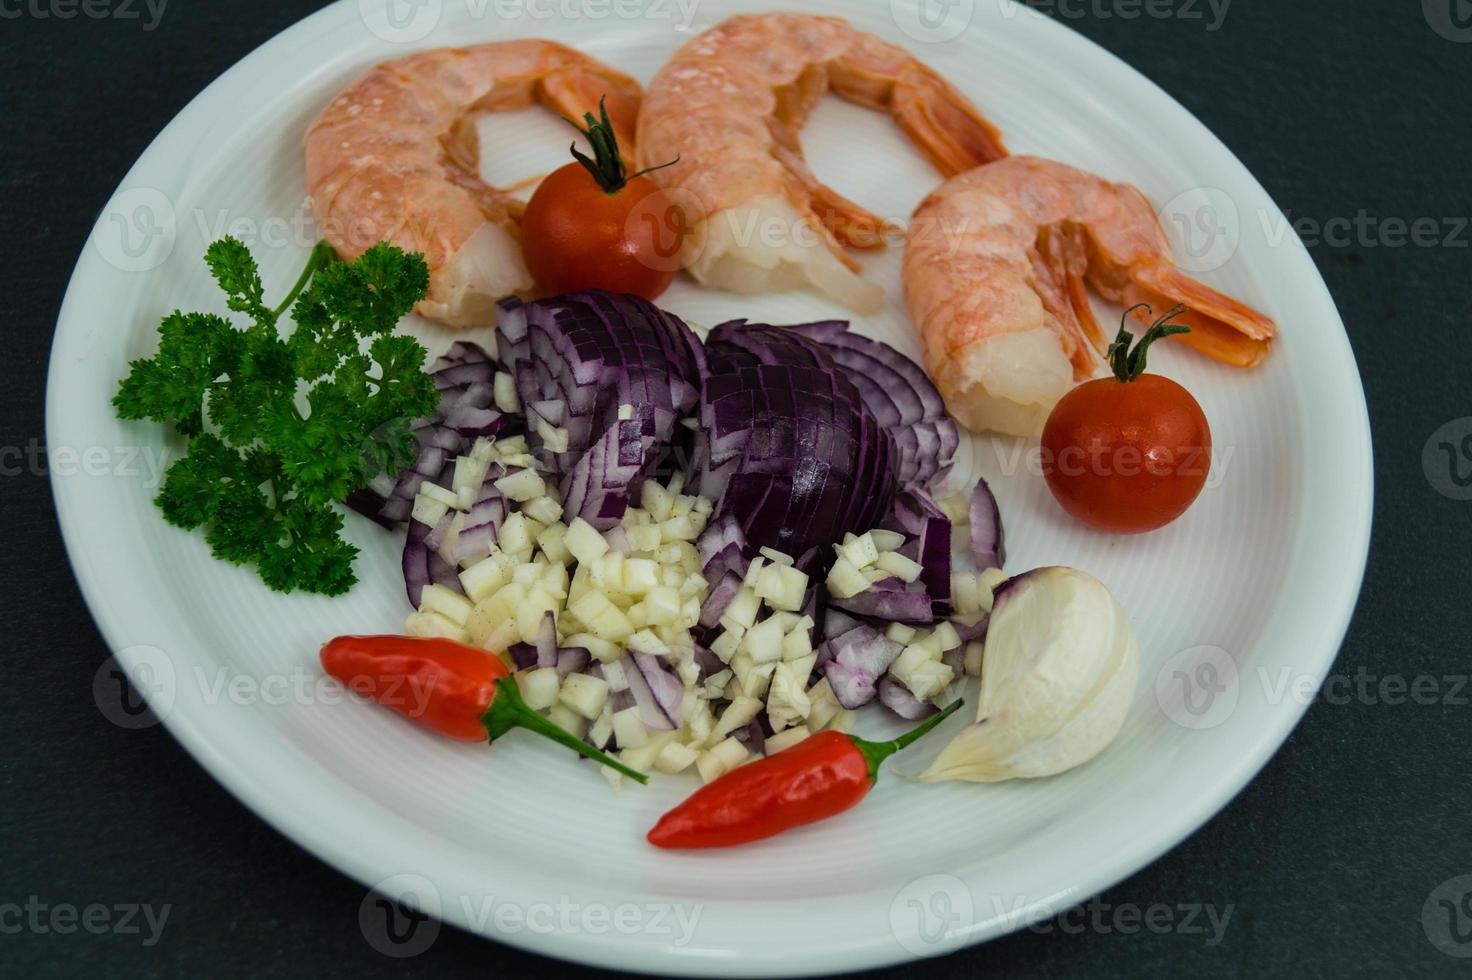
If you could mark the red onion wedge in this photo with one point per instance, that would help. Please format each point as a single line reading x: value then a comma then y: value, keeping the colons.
x: 987, y: 544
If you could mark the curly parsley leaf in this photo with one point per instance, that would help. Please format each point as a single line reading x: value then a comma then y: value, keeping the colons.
x: 236, y: 273
x: 282, y: 428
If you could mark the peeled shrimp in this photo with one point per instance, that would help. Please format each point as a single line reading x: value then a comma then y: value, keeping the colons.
x: 394, y: 158
x: 995, y: 269
x: 730, y: 103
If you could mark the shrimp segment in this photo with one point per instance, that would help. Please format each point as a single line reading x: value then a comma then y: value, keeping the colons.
x: 730, y: 104
x: 996, y: 268
x: 394, y: 157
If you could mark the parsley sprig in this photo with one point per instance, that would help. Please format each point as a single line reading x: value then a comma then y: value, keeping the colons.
x: 282, y: 426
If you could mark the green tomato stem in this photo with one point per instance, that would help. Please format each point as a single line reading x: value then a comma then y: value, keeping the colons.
x: 1129, y: 364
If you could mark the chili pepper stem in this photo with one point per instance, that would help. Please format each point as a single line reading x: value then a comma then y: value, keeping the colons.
x: 876, y: 752
x: 508, y: 711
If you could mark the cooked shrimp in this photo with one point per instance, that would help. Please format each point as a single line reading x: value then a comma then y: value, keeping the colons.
x: 394, y: 158
x: 730, y: 103
x: 995, y: 270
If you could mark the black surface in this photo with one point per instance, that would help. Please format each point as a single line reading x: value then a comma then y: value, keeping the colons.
x: 1325, y: 861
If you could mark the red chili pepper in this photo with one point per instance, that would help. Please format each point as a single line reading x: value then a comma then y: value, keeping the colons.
x: 457, y: 690
x: 815, y: 779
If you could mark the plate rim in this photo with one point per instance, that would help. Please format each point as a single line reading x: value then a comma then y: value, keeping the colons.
x: 293, y: 817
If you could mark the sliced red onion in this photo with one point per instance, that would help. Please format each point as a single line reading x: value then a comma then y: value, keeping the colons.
x: 444, y: 574
x: 974, y: 632
x: 436, y: 536
x: 663, y: 682
x: 416, y: 561
x: 575, y: 360
x: 920, y: 518
x: 464, y: 374
x: 546, y: 640
x: 483, y: 521
x: 395, y: 512
x: 600, y: 485
x: 523, y: 655
x: 650, y: 711
x: 858, y: 659
x: 719, y: 534
x: 372, y: 505
x: 752, y: 736
x: 718, y: 599
x: 708, y: 662
x: 891, y: 601
x: 460, y: 352
x: 897, y: 698
x: 987, y: 544
x: 787, y: 445
x: 901, y: 396
x: 836, y: 623
x: 572, y: 660
x: 617, y: 700
x: 955, y: 658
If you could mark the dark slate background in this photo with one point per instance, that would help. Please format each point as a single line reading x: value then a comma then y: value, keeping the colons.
x: 1349, y: 111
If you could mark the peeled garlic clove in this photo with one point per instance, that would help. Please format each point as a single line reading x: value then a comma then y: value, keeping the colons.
x: 1057, y: 679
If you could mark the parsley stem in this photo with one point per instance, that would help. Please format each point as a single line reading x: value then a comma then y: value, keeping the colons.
x: 322, y: 255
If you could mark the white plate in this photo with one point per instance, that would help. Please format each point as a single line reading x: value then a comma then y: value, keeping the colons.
x: 1257, y: 582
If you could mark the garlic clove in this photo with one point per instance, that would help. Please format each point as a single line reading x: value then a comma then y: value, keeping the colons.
x: 1058, y: 677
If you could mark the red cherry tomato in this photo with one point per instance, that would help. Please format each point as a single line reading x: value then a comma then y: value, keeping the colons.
x: 592, y: 225
x: 1129, y: 453
x: 575, y: 235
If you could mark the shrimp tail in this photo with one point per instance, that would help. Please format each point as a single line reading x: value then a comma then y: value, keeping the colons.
x: 576, y: 90
x: 942, y: 122
x: 1221, y: 327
